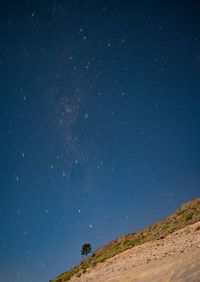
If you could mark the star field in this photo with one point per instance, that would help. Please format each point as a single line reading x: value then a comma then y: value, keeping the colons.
x: 99, y: 122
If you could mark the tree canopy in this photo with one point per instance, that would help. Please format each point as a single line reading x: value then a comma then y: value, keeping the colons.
x: 86, y: 249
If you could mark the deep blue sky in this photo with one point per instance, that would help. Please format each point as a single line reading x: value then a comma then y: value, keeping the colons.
x: 99, y: 123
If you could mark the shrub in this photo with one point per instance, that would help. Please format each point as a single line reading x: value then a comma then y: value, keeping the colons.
x: 189, y: 216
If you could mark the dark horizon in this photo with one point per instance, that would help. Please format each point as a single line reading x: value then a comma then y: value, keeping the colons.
x: 100, y: 125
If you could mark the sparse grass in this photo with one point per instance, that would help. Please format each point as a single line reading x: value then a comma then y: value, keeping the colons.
x: 187, y: 214
x: 181, y: 211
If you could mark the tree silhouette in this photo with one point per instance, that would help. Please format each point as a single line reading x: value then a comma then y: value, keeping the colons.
x: 86, y: 249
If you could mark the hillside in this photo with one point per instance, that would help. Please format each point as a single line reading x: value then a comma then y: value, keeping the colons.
x: 183, y: 220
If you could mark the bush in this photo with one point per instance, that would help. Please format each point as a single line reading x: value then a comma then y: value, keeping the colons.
x: 189, y: 216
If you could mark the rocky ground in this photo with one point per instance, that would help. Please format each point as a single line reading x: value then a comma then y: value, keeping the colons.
x: 174, y: 258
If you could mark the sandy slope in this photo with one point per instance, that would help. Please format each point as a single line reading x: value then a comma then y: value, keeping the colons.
x: 174, y: 258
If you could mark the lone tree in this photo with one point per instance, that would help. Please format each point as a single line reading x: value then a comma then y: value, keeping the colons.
x: 86, y: 249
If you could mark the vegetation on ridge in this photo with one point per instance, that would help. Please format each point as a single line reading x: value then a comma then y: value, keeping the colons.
x: 187, y: 214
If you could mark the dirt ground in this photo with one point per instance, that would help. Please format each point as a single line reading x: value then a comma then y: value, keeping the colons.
x: 174, y: 258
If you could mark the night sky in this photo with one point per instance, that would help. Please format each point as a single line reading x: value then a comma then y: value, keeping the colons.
x: 99, y: 125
